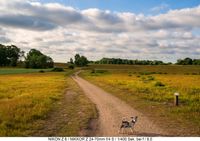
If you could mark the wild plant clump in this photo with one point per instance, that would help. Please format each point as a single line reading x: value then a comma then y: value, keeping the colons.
x: 58, y: 70
x: 159, y: 84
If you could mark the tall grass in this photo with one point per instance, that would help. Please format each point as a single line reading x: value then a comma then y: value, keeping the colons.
x: 26, y: 99
x: 30, y: 102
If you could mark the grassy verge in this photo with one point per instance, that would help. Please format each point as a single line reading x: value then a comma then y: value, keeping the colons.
x: 152, y: 94
x: 80, y: 109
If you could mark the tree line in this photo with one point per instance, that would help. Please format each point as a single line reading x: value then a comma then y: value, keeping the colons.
x: 11, y: 55
x: 186, y: 61
x: 129, y: 62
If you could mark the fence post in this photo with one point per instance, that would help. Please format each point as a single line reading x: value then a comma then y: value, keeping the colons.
x: 176, y: 100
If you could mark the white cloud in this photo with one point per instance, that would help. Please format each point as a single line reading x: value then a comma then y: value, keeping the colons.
x: 62, y: 31
x: 161, y: 7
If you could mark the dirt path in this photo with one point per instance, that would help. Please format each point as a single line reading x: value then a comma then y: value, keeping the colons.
x: 112, y: 110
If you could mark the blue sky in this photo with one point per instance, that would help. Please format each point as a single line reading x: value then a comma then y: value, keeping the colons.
x: 135, y: 6
x: 132, y: 29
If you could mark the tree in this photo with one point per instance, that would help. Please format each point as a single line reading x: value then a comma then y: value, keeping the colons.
x: 71, y: 61
x: 3, y: 57
x: 80, y: 61
x: 196, y: 62
x: 9, y: 55
x: 77, y: 59
x: 130, y: 62
x: 186, y: 61
x: 35, y: 59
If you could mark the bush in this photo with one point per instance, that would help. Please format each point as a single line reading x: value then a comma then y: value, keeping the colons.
x: 93, y: 71
x: 101, y: 71
x: 159, y: 84
x: 150, y: 78
x: 58, y: 70
x: 147, y: 73
x: 41, y: 71
x: 71, y: 66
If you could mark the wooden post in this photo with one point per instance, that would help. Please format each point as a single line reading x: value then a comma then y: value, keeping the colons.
x: 176, y: 101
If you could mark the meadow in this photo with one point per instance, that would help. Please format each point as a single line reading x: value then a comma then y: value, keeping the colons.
x: 150, y: 89
x: 28, y: 102
x: 20, y: 70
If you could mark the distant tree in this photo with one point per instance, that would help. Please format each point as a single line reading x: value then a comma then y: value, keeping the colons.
x: 3, y: 57
x: 80, y: 61
x: 130, y: 62
x: 83, y: 61
x: 71, y: 61
x: 186, y: 61
x: 77, y: 60
x: 196, y: 62
x: 9, y: 55
x: 35, y: 59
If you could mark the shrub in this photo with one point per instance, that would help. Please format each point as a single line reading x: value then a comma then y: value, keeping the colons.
x: 159, y: 84
x: 93, y: 71
x: 41, y: 71
x: 101, y: 71
x: 57, y: 69
x: 150, y: 78
x: 71, y: 66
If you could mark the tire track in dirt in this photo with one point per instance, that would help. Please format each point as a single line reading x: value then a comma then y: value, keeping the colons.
x: 112, y: 110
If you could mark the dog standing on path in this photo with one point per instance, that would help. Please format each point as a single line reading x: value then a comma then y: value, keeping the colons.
x: 128, y: 124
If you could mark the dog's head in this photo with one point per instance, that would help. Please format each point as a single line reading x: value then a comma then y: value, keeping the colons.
x: 134, y: 119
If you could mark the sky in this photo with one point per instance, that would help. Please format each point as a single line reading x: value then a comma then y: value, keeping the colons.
x: 164, y: 30
x: 136, y: 6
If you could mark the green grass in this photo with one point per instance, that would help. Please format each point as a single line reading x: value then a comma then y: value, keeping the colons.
x: 20, y: 70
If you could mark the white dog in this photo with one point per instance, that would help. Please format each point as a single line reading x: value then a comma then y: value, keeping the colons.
x: 128, y: 124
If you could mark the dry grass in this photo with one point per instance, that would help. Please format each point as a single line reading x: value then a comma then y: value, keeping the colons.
x: 61, y: 65
x: 81, y: 111
x: 169, y: 69
x: 152, y: 94
x: 26, y: 99
x: 27, y: 102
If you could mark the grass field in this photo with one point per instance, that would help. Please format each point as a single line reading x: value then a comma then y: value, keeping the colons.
x: 20, y: 70
x: 62, y: 65
x: 163, y: 69
x: 151, y: 89
x: 27, y: 101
